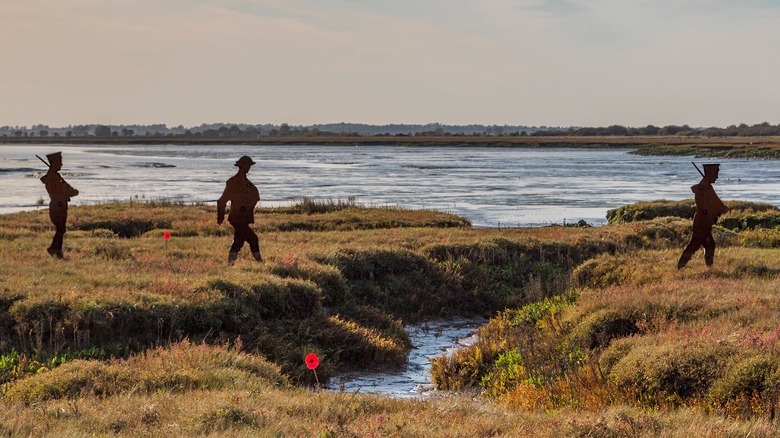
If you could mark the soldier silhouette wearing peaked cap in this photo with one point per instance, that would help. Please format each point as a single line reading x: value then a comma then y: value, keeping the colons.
x: 243, y: 197
x: 60, y: 193
x: 708, y: 208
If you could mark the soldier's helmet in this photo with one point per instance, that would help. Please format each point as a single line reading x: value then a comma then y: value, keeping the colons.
x: 244, y: 161
x: 55, y: 158
x: 711, y: 169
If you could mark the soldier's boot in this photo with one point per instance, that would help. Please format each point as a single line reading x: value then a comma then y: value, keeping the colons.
x: 257, y: 256
x: 709, y: 252
x: 684, y: 258
x: 232, y: 256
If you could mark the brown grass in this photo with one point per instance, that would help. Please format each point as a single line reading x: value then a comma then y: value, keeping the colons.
x: 637, y: 349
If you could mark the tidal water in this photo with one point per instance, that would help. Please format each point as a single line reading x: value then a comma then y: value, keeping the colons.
x: 413, y: 380
x: 489, y: 186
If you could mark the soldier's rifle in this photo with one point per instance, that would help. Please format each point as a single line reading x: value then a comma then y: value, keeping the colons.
x: 697, y: 168
x: 42, y: 160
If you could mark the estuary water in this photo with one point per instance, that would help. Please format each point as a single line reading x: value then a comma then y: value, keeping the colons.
x: 429, y: 340
x: 489, y: 186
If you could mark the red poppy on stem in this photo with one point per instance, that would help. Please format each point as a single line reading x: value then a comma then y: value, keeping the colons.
x: 312, y: 361
x: 166, y: 235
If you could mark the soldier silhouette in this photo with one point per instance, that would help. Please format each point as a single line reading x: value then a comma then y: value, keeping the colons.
x: 708, y: 208
x: 243, y: 197
x: 60, y: 193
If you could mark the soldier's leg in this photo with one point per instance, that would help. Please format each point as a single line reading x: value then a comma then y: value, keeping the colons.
x: 59, y: 218
x: 254, y: 244
x: 238, y: 242
x: 709, y: 251
x: 695, y: 243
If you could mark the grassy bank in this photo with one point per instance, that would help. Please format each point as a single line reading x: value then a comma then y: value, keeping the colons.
x: 759, y: 148
x: 636, y: 331
x: 137, y: 335
x: 337, y: 280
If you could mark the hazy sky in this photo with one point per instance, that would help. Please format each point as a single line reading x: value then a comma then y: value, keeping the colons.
x: 523, y: 62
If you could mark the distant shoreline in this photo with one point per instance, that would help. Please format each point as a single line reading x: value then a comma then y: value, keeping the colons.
x: 709, y: 147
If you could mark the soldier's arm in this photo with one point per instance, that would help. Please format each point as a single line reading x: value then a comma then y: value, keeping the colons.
x: 723, y: 208
x: 70, y: 190
x: 221, y: 204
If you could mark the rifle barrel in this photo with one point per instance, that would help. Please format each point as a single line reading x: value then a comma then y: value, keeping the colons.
x: 44, y: 161
x: 697, y: 169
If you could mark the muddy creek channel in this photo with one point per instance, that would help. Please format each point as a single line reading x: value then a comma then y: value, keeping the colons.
x: 429, y: 340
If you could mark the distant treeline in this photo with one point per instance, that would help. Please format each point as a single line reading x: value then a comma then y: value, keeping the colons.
x: 742, y: 130
x: 227, y: 130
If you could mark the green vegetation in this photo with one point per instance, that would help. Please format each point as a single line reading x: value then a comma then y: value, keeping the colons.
x: 761, y: 150
x: 642, y: 211
x: 594, y: 331
x: 636, y: 331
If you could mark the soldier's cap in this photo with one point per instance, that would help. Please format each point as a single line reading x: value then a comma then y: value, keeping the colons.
x: 56, y: 156
x: 711, y: 167
x: 244, y: 160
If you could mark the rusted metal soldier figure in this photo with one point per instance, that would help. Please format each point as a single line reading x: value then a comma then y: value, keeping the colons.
x: 708, y: 208
x: 243, y: 197
x: 60, y: 193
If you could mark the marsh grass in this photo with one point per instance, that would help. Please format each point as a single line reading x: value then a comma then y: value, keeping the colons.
x: 743, y: 214
x: 640, y: 333
x: 182, y: 367
x: 572, y: 307
x: 343, y: 294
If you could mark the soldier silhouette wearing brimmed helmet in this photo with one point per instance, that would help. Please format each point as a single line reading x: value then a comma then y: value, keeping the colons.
x: 708, y: 208
x: 60, y: 193
x: 243, y: 197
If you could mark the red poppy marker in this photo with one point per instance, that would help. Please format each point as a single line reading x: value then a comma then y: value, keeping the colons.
x: 312, y: 361
x: 166, y: 235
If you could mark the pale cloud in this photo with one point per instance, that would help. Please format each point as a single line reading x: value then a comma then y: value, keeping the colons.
x: 554, y: 62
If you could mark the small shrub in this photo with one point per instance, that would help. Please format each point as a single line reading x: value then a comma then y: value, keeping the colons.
x: 602, y: 271
x: 334, y: 286
x: 113, y: 251
x: 737, y: 220
x: 642, y: 211
x: 599, y: 328
x: 314, y: 206
x: 673, y: 371
x: 614, y: 353
x: 755, y: 375
x: 74, y: 379
x: 760, y: 238
x: 229, y: 289
x: 181, y: 367
x: 754, y: 270
x: 288, y: 298
x: 360, y: 345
